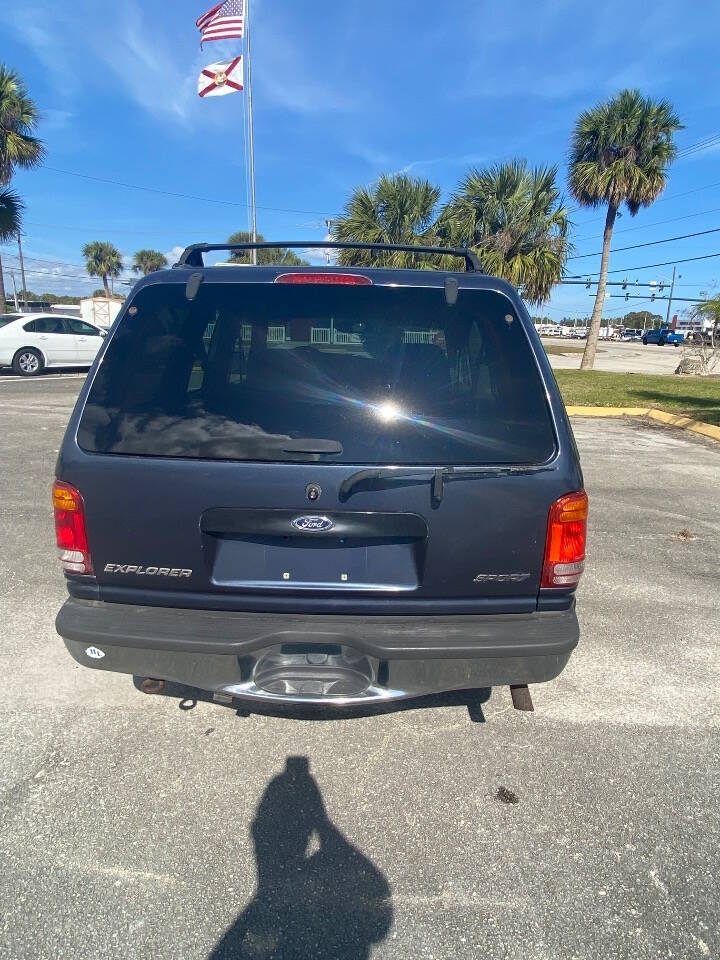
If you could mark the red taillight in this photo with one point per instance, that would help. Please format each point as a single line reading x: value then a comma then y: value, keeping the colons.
x: 347, y: 279
x: 70, y: 529
x: 565, y: 545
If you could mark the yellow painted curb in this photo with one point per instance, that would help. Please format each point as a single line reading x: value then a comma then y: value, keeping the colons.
x: 671, y: 419
x: 686, y: 423
x: 608, y: 411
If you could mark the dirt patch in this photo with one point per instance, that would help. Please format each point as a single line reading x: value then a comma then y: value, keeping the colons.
x: 685, y: 535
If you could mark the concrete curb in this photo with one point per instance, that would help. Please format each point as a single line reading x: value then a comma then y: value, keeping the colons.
x: 671, y: 419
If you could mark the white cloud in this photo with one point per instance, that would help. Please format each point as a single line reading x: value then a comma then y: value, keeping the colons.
x: 53, y: 119
x: 118, y: 39
x: 288, y: 80
x: 144, y: 66
x: 173, y: 255
x: 464, y: 160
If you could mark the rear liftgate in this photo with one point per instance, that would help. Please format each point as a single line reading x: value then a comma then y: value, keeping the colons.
x: 381, y: 552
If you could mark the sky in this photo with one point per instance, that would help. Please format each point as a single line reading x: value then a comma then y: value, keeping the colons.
x: 343, y: 92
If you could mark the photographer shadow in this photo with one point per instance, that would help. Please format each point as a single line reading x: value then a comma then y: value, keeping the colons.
x: 317, y: 895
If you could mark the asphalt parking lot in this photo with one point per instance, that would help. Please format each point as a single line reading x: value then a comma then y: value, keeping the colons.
x: 591, y: 829
x: 616, y: 356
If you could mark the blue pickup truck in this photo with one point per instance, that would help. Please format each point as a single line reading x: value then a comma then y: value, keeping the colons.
x: 662, y: 336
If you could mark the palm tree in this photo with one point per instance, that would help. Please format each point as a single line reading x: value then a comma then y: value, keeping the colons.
x: 619, y: 153
x: 514, y: 218
x: 396, y: 209
x: 147, y: 261
x: 271, y: 255
x: 102, y: 260
x: 18, y: 148
x: 10, y: 215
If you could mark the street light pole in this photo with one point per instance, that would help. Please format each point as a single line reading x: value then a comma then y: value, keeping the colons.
x: 12, y: 274
x: 22, y: 270
x: 670, y: 298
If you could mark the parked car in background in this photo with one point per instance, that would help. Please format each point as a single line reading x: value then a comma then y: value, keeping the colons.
x: 32, y: 342
x: 631, y: 334
x: 662, y: 336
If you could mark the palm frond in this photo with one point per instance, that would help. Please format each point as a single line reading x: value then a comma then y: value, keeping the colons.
x: 397, y: 209
x: 18, y: 119
x: 620, y: 151
x: 102, y: 259
x: 11, y: 208
x: 515, y: 219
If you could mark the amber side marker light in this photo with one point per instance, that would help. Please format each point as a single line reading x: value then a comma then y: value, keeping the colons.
x: 346, y: 279
x: 70, y: 529
x: 565, y: 544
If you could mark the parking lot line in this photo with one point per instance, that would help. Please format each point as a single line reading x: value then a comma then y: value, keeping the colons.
x: 57, y: 376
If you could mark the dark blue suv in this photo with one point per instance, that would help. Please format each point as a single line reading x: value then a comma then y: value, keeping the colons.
x: 321, y: 485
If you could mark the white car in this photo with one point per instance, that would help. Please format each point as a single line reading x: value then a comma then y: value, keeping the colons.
x: 30, y: 342
x: 631, y: 334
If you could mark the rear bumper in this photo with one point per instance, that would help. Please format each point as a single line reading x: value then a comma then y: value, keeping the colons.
x: 329, y: 659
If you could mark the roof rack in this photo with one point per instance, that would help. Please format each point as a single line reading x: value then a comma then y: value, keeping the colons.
x: 192, y: 256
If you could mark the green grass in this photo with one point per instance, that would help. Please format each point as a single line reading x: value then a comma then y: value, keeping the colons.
x: 697, y: 397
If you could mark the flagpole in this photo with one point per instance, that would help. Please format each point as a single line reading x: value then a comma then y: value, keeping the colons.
x: 251, y: 136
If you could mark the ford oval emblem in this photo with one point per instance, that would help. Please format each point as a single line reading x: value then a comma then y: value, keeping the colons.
x: 314, y: 524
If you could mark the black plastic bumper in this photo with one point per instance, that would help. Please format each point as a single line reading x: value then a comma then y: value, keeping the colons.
x: 310, y: 658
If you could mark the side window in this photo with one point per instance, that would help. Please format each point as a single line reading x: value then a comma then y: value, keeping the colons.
x: 81, y: 328
x: 29, y: 327
x: 49, y: 325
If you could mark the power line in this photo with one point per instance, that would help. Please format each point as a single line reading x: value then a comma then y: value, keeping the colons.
x: 63, y: 263
x: 647, y: 266
x: 673, y: 196
x: 649, y: 243
x: 698, y: 147
x: 646, y: 226
x: 630, y: 296
x: 182, y: 196
x: 45, y: 272
x: 94, y: 227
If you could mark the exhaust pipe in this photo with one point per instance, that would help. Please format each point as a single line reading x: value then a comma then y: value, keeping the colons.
x: 150, y: 685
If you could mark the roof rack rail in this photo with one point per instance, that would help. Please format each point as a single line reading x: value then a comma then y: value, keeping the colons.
x: 192, y: 256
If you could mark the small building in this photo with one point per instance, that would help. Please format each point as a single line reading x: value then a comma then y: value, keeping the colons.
x: 100, y: 310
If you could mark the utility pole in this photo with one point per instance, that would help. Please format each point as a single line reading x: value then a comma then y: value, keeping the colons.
x: 670, y: 298
x: 22, y: 270
x: 328, y: 227
x: 251, y: 133
x: 12, y: 274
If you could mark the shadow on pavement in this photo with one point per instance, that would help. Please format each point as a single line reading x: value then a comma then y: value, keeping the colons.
x: 317, y: 895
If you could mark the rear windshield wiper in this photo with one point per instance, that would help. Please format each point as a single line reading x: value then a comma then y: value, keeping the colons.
x: 437, y: 475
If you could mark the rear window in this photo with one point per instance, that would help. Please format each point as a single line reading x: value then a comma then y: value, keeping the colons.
x: 45, y: 325
x: 8, y: 318
x: 373, y: 374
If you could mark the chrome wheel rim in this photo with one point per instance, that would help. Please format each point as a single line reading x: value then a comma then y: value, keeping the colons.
x: 28, y: 363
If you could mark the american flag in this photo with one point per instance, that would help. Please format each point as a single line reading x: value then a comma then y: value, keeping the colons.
x: 224, y: 21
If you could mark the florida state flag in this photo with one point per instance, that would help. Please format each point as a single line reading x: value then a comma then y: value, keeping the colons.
x: 217, y: 79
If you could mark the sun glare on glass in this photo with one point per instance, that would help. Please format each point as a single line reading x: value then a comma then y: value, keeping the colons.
x: 387, y: 411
